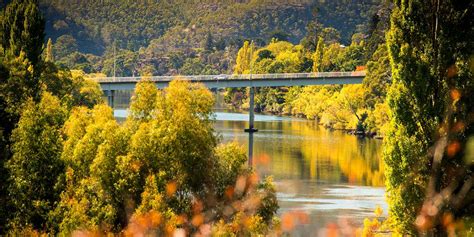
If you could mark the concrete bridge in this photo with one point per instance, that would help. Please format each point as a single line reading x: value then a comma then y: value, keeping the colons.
x: 241, y: 80
x: 111, y: 84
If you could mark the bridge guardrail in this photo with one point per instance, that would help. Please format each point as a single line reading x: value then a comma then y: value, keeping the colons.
x: 268, y: 76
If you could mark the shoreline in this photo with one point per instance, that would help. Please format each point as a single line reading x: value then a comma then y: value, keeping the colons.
x: 350, y: 131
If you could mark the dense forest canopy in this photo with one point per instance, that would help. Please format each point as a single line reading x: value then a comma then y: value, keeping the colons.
x: 159, y: 36
x: 136, y: 23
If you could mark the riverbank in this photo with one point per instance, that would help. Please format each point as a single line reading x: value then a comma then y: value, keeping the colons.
x: 350, y: 131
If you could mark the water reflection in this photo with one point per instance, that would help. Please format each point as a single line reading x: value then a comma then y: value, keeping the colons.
x: 300, y: 149
x: 334, y: 178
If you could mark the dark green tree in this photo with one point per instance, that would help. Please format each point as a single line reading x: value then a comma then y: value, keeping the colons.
x: 21, y: 42
x: 4, y: 152
x: 279, y: 35
x: 65, y: 45
x: 209, y: 42
x: 22, y: 29
x: 378, y: 77
x: 431, y: 91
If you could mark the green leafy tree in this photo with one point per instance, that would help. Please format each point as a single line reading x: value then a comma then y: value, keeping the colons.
x: 4, y: 152
x: 310, y: 41
x: 35, y: 167
x: 427, y: 65
x: 21, y: 45
x: 18, y: 85
x: 85, y: 91
x: 378, y: 77
x: 22, y: 29
x: 64, y: 45
x: 93, y: 142
x: 21, y: 42
x: 330, y: 35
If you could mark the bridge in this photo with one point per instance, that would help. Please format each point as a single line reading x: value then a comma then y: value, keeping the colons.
x: 111, y: 84
x: 240, y: 80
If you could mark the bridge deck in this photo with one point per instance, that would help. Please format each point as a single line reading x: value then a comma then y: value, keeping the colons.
x: 241, y: 80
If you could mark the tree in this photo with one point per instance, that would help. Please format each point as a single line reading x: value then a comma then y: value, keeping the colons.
x: 4, y: 153
x: 429, y: 94
x: 330, y: 35
x: 378, y: 25
x: 64, y: 45
x: 310, y: 41
x: 22, y: 29
x: 318, y: 55
x: 209, y: 42
x: 17, y: 86
x: 378, y: 76
x: 142, y: 104
x: 118, y: 174
x: 279, y: 35
x: 21, y: 42
x: 244, y: 58
x: 49, y: 57
x: 35, y: 167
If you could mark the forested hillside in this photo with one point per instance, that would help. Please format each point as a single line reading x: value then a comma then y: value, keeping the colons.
x: 186, y: 37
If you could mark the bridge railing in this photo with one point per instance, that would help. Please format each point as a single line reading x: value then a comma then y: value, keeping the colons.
x: 268, y: 76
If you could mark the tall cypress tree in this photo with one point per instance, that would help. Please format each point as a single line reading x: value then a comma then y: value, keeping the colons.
x: 430, y: 58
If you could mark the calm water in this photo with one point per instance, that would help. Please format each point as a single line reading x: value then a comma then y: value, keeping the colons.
x: 325, y: 179
x: 334, y: 179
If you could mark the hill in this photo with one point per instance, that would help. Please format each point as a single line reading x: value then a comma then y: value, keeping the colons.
x: 155, y: 33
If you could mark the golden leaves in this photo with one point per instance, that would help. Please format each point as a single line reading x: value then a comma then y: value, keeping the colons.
x: 171, y: 188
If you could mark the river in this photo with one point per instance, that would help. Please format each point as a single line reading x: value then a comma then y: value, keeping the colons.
x: 325, y: 180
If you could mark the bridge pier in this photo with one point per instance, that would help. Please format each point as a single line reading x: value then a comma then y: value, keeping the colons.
x: 251, y: 128
x: 110, y: 97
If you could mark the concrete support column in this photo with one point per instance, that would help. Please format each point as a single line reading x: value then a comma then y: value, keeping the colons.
x: 251, y: 128
x: 110, y: 97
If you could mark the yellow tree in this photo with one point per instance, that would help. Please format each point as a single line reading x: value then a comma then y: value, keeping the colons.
x: 35, y: 166
x: 244, y: 58
x: 318, y: 55
x: 143, y: 102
